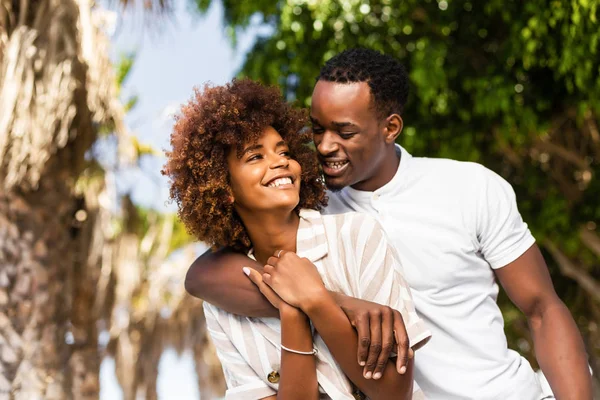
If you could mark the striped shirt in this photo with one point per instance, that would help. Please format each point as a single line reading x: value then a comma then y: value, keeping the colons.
x: 354, y: 257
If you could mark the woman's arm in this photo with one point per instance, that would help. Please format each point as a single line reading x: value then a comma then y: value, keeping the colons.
x: 341, y: 339
x: 297, y: 281
x: 215, y: 277
x: 298, y: 371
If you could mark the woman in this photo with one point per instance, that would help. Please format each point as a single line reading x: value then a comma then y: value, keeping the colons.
x: 243, y: 176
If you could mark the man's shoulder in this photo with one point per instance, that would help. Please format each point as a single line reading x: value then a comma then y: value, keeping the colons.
x: 447, y: 168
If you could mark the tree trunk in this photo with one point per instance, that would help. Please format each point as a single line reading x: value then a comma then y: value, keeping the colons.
x: 56, y: 87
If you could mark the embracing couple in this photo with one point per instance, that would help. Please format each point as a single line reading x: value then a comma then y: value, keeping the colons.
x: 381, y: 287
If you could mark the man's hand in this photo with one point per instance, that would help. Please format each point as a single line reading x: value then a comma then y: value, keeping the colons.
x: 381, y: 330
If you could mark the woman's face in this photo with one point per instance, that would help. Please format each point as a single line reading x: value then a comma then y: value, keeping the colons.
x: 265, y: 177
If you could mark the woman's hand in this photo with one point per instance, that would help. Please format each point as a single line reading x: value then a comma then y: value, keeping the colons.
x: 265, y: 289
x: 296, y: 280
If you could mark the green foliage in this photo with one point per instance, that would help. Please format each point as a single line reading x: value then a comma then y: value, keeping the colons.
x: 512, y: 84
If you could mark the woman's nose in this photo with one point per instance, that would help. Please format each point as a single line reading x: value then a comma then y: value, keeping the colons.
x: 280, y: 162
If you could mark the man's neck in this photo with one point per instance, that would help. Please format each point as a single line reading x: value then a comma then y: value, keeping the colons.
x: 385, y: 173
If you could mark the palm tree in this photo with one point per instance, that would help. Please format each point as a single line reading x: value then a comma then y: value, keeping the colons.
x: 56, y: 89
x: 65, y: 269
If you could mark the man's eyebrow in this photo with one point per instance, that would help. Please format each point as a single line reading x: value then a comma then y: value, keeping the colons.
x: 342, y: 124
x: 335, y: 123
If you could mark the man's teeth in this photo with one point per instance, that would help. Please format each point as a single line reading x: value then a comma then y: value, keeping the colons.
x: 280, y: 181
x: 337, y: 164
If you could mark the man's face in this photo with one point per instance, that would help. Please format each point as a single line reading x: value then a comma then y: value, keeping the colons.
x: 348, y: 135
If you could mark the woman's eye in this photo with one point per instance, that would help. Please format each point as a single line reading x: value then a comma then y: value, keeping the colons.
x: 254, y: 157
x: 286, y: 153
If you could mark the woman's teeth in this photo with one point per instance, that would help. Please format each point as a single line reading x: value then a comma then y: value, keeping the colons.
x: 336, y: 165
x: 280, y: 181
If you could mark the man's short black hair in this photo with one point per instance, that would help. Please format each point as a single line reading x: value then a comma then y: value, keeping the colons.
x: 386, y: 77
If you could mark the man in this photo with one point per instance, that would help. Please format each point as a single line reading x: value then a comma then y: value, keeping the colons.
x: 456, y: 227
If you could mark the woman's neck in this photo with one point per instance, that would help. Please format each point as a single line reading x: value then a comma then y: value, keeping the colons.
x: 271, y: 231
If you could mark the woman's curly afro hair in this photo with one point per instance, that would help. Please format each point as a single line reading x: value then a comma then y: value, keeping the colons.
x: 214, y: 122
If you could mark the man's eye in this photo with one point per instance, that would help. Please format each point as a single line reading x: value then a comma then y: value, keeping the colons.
x: 346, y: 135
x: 318, y: 131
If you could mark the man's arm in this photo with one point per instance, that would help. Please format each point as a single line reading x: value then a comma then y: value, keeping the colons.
x: 558, y: 345
x: 217, y: 277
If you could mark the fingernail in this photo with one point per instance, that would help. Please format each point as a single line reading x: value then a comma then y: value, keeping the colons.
x: 368, y: 375
x: 411, y: 353
x: 361, y: 363
x: 377, y: 375
x: 402, y: 370
x: 246, y: 270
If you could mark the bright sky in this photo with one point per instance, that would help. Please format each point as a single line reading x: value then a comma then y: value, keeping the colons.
x: 188, y: 51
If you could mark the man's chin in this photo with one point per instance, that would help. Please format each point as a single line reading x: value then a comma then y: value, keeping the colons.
x: 335, y: 184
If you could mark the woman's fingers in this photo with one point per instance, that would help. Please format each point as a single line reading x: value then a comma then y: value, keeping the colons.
x: 264, y: 288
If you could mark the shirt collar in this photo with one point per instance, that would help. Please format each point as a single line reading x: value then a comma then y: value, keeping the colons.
x: 311, y: 241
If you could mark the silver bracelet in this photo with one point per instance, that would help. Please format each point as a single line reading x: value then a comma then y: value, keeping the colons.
x: 304, y: 353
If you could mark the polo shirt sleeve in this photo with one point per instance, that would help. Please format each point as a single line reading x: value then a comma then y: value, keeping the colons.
x: 502, y: 234
x: 243, y: 382
x: 378, y: 275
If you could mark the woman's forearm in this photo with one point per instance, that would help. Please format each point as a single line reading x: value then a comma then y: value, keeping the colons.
x: 298, y: 371
x: 341, y: 339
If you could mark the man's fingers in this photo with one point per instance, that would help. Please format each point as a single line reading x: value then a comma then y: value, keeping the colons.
x: 375, y: 347
x: 387, y: 342
x: 402, y: 341
x: 364, y: 337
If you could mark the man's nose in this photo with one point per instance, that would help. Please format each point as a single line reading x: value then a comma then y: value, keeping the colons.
x: 327, y: 144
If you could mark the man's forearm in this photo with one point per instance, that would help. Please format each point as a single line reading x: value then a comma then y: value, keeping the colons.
x: 217, y: 277
x: 561, y: 354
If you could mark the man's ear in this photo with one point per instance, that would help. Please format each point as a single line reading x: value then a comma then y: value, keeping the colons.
x: 393, y: 128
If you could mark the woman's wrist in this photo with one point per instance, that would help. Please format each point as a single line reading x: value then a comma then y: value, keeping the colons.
x: 290, y: 312
x: 317, y: 299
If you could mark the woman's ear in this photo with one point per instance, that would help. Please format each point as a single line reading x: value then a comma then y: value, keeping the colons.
x: 393, y: 128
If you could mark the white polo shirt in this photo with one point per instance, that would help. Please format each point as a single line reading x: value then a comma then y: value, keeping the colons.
x: 453, y: 223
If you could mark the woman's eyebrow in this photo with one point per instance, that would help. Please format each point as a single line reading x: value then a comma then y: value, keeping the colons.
x: 252, y: 148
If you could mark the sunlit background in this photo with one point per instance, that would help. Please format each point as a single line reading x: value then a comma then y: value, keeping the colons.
x: 92, y: 256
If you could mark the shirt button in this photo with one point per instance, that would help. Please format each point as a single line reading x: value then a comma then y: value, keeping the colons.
x: 273, y: 377
x: 375, y: 196
x: 358, y: 395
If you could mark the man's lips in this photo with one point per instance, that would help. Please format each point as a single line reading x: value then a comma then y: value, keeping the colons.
x: 334, y: 167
